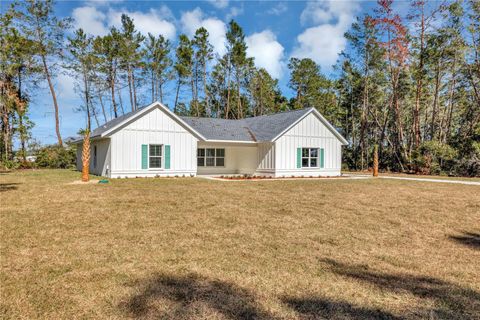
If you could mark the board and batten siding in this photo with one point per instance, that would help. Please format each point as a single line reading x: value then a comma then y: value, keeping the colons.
x: 266, y: 158
x: 155, y: 127
x: 103, y: 157
x: 310, y: 132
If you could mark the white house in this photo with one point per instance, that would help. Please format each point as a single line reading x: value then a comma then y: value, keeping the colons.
x: 153, y: 141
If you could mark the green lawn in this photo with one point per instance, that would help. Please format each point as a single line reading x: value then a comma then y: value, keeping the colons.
x: 191, y: 248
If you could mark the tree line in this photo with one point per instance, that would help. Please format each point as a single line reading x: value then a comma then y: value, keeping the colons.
x: 409, y: 85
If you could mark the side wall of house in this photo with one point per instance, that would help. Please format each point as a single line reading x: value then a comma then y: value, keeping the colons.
x: 308, y: 133
x: 102, y: 165
x: 155, y: 127
x: 266, y: 159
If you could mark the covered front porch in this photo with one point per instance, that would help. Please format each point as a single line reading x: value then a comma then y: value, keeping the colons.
x: 230, y: 158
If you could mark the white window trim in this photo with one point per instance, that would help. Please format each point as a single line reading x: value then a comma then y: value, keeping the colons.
x: 309, y: 157
x: 162, y: 161
x: 215, y: 158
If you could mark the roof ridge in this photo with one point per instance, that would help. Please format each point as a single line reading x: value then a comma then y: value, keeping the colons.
x: 263, y: 115
x: 190, y: 117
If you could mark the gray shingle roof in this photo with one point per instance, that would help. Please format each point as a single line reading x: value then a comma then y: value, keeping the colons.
x: 220, y: 129
x: 261, y: 128
x: 266, y: 128
x: 112, y: 123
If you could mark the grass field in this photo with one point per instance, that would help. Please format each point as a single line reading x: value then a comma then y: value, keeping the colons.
x: 191, y: 248
x: 416, y: 176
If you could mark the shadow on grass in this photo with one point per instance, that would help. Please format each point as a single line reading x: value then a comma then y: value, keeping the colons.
x: 469, y: 239
x: 324, y: 308
x: 451, y: 301
x: 190, y: 297
x: 8, y: 186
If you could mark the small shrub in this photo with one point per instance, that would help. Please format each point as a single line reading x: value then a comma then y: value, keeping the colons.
x: 8, y: 165
x: 56, y: 157
x: 434, y: 157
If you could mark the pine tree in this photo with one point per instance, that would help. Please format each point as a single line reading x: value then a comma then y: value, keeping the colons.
x: 158, y: 64
x: 312, y: 88
x: 203, y: 55
x: 238, y: 65
x: 81, y: 63
x: 266, y: 97
x: 46, y: 31
x: 130, y: 55
x: 17, y: 67
x: 183, y: 65
x: 107, y: 49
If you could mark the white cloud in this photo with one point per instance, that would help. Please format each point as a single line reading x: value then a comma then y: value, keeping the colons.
x: 65, y: 85
x: 100, y: 3
x: 220, y: 4
x: 267, y: 51
x: 192, y: 20
x: 234, y: 12
x: 154, y: 21
x: 320, y: 12
x: 277, y: 10
x: 91, y: 20
x: 323, y: 42
x: 94, y: 21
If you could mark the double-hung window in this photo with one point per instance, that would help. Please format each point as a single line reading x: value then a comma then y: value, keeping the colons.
x: 210, y: 157
x: 155, y: 156
x: 310, y: 157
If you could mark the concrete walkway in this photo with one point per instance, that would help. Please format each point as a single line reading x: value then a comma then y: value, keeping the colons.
x: 474, y: 183
x: 348, y: 177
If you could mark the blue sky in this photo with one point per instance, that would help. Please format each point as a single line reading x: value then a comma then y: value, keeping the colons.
x: 275, y: 31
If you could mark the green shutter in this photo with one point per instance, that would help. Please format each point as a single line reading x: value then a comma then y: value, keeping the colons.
x: 167, y: 156
x: 322, y: 158
x: 299, y: 158
x: 144, y: 156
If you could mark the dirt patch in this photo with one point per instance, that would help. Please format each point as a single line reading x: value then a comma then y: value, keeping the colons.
x: 81, y: 182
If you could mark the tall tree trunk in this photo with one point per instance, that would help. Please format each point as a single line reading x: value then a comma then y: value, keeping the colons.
x: 363, y: 124
x: 112, y: 88
x: 205, y: 89
x: 195, y: 90
x: 54, y: 98
x: 153, y: 86
x: 435, y: 100
x: 176, y: 97
x: 450, y: 104
x: 22, y: 136
x: 135, y: 105
x: 5, y: 124
x: 95, y: 116
x: 418, y: 93
x: 228, y: 94
x: 87, y: 99
x: 129, y: 73
x: 103, y: 106
x: 119, y: 93
x: 194, y: 98
x: 21, y: 114
x: 239, y: 102
x: 160, y: 89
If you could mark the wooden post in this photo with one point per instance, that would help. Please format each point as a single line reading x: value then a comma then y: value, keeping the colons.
x: 375, y: 161
x: 86, y: 156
